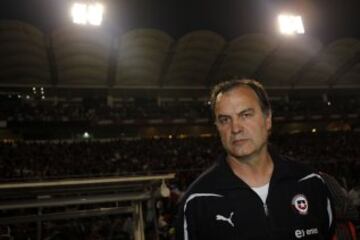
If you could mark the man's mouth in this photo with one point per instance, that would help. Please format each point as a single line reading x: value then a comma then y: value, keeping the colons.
x: 239, y: 141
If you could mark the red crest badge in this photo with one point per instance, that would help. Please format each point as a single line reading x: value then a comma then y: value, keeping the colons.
x: 300, y: 204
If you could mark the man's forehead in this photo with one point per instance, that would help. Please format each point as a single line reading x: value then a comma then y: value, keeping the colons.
x: 237, y: 93
x: 236, y: 100
x: 233, y: 109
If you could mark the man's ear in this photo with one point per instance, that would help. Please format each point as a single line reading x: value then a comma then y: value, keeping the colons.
x: 268, y: 120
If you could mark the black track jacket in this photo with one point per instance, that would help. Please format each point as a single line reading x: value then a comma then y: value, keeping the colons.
x: 220, y: 206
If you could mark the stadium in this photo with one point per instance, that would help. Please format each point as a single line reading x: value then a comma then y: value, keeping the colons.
x: 103, y: 128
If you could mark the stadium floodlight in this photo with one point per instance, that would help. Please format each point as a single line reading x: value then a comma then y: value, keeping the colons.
x: 290, y: 25
x: 78, y: 13
x: 95, y: 14
x: 87, y: 13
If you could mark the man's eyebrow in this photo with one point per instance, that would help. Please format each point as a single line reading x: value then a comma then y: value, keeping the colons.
x: 250, y: 109
x: 222, y: 115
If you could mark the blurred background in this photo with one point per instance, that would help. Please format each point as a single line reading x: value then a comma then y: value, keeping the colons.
x: 126, y: 94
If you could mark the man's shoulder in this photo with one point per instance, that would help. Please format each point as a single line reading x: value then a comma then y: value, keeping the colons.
x: 206, y: 179
x: 289, y: 165
x: 298, y: 166
x: 298, y: 170
x: 204, y: 183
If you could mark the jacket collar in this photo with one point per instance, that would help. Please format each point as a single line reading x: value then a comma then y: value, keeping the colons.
x: 226, y: 179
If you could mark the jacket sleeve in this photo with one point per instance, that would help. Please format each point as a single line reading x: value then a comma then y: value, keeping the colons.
x: 331, y: 221
x: 330, y: 207
x: 185, y: 223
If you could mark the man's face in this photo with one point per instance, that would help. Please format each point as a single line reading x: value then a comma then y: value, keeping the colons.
x: 242, y: 126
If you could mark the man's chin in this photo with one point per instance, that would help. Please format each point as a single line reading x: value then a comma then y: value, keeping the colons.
x: 243, y: 155
x: 243, y: 150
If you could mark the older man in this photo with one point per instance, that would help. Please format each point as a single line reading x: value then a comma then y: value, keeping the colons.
x: 252, y: 193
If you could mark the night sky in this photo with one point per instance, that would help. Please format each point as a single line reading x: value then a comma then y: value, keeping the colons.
x: 326, y: 20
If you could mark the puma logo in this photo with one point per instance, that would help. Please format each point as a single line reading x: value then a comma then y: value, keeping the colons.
x: 222, y: 218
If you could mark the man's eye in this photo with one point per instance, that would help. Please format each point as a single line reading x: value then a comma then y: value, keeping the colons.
x: 247, y: 115
x: 224, y: 120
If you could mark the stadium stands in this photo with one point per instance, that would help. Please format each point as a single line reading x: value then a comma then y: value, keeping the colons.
x: 44, y: 159
x: 33, y: 109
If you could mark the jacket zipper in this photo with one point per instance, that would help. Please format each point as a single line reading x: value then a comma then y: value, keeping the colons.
x: 266, y: 213
x: 266, y: 210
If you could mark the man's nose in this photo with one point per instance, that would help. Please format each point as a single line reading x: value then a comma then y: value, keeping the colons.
x: 236, y: 126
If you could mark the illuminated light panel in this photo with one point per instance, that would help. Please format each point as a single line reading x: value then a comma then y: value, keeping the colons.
x: 87, y: 13
x: 79, y: 13
x: 95, y: 14
x: 290, y: 25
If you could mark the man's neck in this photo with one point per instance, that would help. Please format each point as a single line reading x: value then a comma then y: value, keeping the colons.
x: 255, y: 170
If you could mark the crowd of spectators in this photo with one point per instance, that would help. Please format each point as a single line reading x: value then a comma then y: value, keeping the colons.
x: 25, y: 110
x: 310, y: 106
x: 93, y: 158
x: 22, y: 110
x: 334, y: 152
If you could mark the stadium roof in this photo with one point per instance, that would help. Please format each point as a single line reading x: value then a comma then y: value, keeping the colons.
x: 159, y: 44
